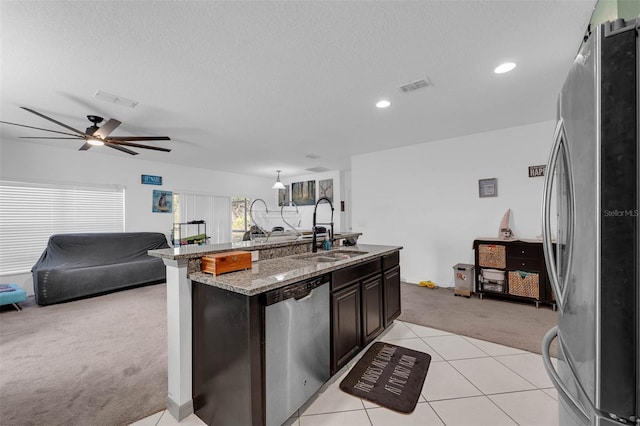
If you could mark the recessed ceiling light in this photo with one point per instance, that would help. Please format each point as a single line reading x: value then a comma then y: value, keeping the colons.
x: 383, y: 103
x: 506, y: 67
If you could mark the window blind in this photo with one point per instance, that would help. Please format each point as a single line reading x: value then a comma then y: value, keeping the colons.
x: 214, y: 210
x: 31, y: 212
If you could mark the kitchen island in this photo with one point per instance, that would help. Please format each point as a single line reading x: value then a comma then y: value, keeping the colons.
x: 202, y: 311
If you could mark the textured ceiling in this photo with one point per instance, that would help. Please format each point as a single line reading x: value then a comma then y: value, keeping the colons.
x: 253, y: 87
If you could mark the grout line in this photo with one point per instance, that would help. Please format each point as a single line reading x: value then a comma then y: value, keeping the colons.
x: 160, y: 418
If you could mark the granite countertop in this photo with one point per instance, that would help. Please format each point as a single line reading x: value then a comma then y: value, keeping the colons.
x: 191, y: 251
x: 270, y: 274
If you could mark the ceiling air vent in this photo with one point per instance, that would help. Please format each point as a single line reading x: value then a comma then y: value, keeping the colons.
x: 415, y: 85
x: 114, y: 99
x: 318, y: 169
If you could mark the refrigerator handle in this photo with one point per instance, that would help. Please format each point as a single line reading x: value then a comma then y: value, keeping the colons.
x: 547, y: 243
x: 555, y: 378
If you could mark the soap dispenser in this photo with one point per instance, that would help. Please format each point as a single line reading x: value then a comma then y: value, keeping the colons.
x: 327, y: 243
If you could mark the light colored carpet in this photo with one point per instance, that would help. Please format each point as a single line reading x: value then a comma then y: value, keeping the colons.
x: 518, y: 325
x: 98, y: 361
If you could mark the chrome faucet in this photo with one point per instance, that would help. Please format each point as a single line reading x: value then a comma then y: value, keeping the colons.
x: 314, y: 247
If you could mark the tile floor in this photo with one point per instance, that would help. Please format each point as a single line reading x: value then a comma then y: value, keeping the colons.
x: 469, y: 382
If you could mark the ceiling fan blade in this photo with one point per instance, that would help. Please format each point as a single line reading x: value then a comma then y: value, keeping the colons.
x: 106, y: 128
x: 40, y: 128
x: 137, y: 145
x: 47, y: 137
x: 85, y: 147
x: 140, y: 138
x: 120, y: 148
x: 52, y: 120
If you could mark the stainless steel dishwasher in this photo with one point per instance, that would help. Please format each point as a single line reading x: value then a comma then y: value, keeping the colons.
x: 296, y: 346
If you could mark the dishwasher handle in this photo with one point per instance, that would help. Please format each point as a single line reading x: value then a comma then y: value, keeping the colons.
x: 296, y: 291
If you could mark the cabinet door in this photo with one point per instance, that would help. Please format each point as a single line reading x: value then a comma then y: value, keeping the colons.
x: 391, y: 294
x: 372, y: 308
x: 346, y: 328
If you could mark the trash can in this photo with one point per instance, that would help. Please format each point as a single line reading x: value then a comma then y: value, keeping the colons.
x: 464, y: 279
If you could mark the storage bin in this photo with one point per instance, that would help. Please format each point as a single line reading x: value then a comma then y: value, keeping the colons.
x: 491, y: 286
x: 524, y: 284
x: 463, y: 275
x: 492, y: 274
x: 492, y: 255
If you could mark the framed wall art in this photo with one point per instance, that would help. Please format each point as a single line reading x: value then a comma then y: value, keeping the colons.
x: 325, y: 189
x: 283, y: 196
x: 162, y: 201
x: 488, y: 187
x: 304, y: 193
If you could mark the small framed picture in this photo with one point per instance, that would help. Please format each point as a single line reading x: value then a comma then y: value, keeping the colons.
x: 162, y: 201
x: 488, y: 187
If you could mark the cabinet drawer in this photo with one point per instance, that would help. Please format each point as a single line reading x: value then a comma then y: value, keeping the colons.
x: 390, y: 260
x: 343, y: 277
x: 527, y: 251
x: 525, y: 264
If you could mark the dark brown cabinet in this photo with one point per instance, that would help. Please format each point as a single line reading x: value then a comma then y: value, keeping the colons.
x: 512, y: 269
x: 365, y: 299
x: 346, y: 324
x: 372, y: 308
x: 391, y: 285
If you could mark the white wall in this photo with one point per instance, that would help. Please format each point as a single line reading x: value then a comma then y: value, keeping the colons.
x: 324, y: 212
x: 425, y: 197
x: 41, y: 162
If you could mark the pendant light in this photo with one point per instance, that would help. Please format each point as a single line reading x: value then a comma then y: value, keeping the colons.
x: 278, y: 184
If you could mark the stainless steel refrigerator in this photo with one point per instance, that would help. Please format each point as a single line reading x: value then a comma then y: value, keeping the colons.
x: 592, y: 252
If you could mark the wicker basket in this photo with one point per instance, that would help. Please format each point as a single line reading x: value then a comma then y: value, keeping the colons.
x: 524, y: 284
x: 492, y: 255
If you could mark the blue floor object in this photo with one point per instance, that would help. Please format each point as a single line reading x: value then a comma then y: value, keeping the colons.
x: 13, y: 297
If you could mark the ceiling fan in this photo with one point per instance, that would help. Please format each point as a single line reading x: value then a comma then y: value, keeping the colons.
x: 95, y: 135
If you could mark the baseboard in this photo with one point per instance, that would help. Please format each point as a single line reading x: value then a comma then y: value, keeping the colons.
x: 180, y: 412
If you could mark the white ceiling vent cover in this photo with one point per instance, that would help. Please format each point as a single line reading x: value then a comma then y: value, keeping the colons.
x: 318, y: 169
x: 115, y: 99
x: 415, y: 85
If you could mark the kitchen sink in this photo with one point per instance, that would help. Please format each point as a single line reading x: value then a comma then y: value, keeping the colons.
x: 331, y: 256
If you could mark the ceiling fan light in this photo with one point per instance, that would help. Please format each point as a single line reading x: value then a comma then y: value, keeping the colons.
x: 503, y: 68
x: 95, y: 142
x: 278, y: 184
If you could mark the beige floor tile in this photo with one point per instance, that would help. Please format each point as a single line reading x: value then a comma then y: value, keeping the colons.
x: 417, y: 344
x: 490, y: 376
x: 529, y: 408
x: 474, y: 411
x: 444, y: 382
x: 494, y: 349
x: 168, y: 420
x: 423, y: 415
x: 454, y: 347
x: 398, y: 330
x: 422, y: 331
x: 529, y: 366
x: 152, y: 420
x: 552, y: 392
x: 350, y: 418
x: 331, y: 399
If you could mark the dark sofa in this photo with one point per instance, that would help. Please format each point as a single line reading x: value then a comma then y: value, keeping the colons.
x: 74, y: 266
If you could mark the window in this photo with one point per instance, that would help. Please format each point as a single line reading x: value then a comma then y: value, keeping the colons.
x: 31, y: 212
x: 241, y: 222
x: 214, y: 210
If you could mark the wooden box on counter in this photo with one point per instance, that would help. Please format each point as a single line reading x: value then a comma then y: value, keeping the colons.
x: 230, y: 261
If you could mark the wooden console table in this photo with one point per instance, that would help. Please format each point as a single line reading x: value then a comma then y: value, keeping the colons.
x: 520, y: 264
